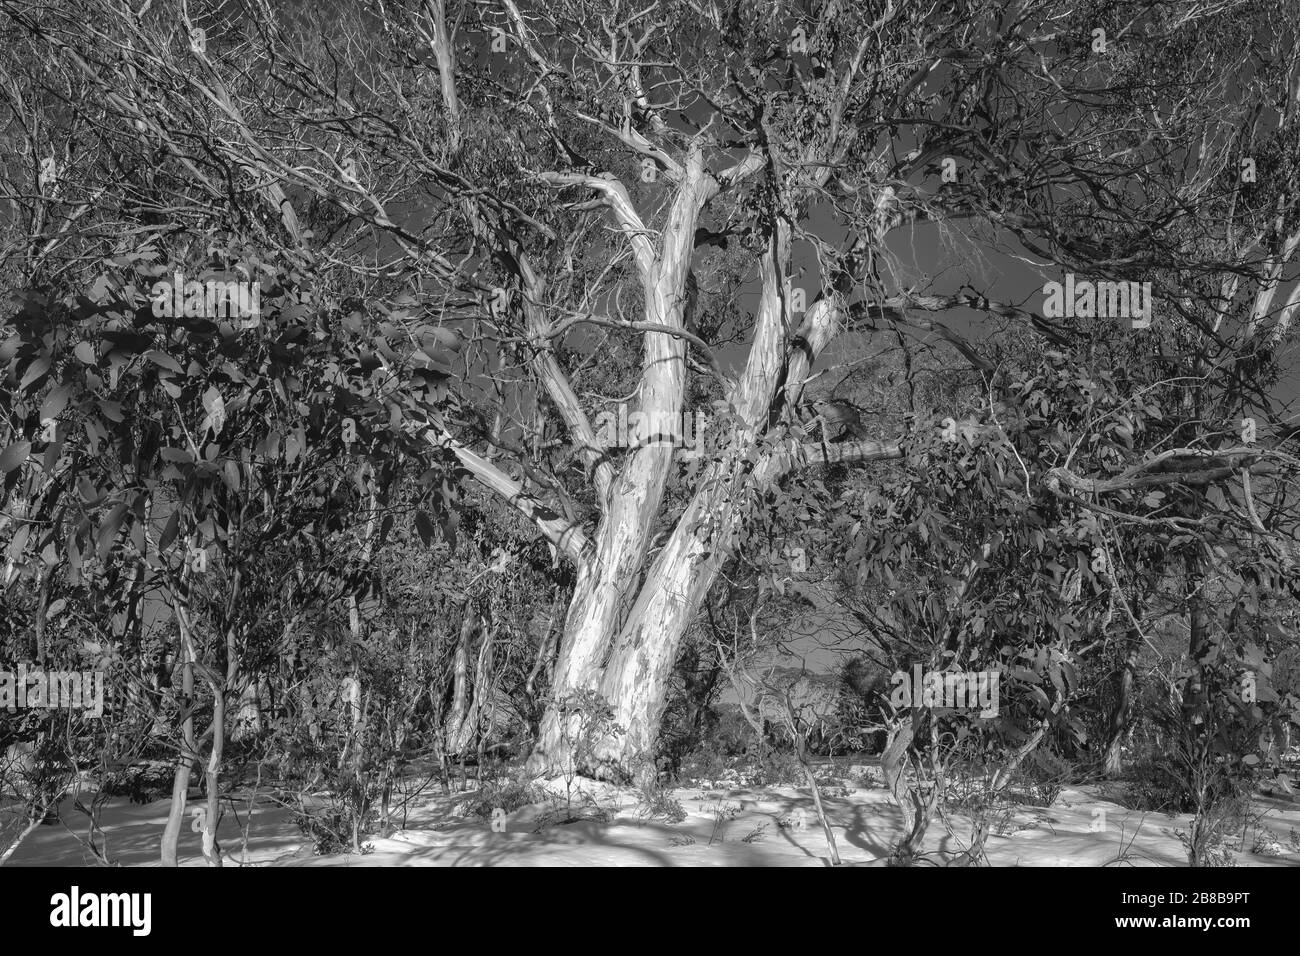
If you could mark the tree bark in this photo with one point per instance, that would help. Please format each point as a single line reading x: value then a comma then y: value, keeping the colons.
x: 460, y: 681
x: 185, y: 762
x: 605, y: 581
x: 1122, y: 711
x: 1198, y: 636
x: 641, y: 657
x: 469, y: 730
x: 210, y: 851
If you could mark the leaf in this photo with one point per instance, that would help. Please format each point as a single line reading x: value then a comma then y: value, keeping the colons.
x: 52, y: 456
x: 169, y: 531
x: 127, y: 341
x: 95, y: 434
x: 101, y: 291
x: 1039, y: 697
x: 14, y: 455
x: 55, y: 402
x: 87, y: 490
x: 449, y: 524
x: 74, y: 560
x: 425, y: 527
x: 19, y: 542
x: 270, y: 447
x: 435, y: 339
x: 164, y: 360
x: 178, y: 455
x: 109, y: 529
x: 34, y: 371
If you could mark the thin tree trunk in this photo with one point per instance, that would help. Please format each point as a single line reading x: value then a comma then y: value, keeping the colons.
x: 248, y: 719
x: 1122, y: 712
x: 184, y: 763
x: 1198, y: 636
x: 460, y: 681
x: 32, y: 824
x: 469, y: 724
x: 42, y: 604
x: 801, y: 753
x: 210, y: 851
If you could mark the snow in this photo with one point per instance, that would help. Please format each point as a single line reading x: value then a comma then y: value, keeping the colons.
x: 1079, y: 829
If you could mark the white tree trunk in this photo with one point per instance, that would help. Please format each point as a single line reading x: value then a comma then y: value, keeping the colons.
x: 606, y: 579
x: 460, y: 683
x: 631, y: 667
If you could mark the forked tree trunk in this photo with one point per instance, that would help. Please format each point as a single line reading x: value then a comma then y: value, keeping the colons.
x: 606, y: 579
x: 636, y: 679
x: 797, y: 734
x: 640, y: 656
x: 618, y: 640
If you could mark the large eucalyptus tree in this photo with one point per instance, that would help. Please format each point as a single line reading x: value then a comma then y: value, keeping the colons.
x: 678, y: 206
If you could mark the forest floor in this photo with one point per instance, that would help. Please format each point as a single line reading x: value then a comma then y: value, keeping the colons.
x: 724, y: 825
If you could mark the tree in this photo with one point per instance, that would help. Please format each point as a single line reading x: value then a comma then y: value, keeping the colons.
x: 586, y: 194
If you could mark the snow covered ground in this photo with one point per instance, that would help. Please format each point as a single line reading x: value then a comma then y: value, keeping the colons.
x: 723, y: 827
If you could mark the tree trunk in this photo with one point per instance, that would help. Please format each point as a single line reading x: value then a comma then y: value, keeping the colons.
x: 797, y: 733
x: 210, y: 851
x: 469, y: 725
x: 1121, y: 714
x: 248, y: 719
x: 460, y: 682
x: 635, y: 679
x: 1198, y: 636
x: 626, y: 653
x: 606, y: 580
x: 184, y: 763
x: 32, y: 823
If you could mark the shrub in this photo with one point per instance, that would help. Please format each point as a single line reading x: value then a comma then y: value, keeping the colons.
x: 1044, y: 775
x: 775, y: 768
x: 1155, y: 786
x: 725, y: 736
x: 659, y: 803
x: 141, y: 783
x: 703, y: 764
x: 505, y: 793
x: 329, y: 829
